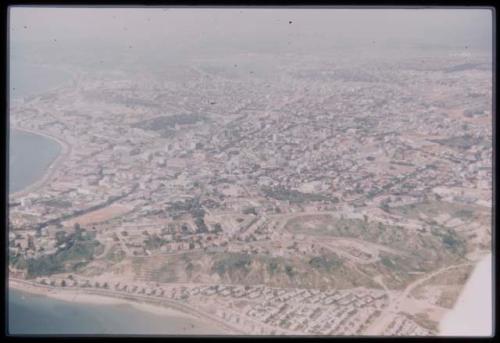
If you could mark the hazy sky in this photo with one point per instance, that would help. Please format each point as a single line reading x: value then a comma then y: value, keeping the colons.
x: 243, y: 29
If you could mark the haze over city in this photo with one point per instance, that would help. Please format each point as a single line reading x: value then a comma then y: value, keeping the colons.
x: 250, y: 171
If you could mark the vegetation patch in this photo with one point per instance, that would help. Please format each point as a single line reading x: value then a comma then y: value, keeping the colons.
x: 74, y: 251
x: 325, y: 262
x: 232, y: 263
x: 294, y: 196
x: 154, y: 242
x: 115, y: 254
x: 165, y: 125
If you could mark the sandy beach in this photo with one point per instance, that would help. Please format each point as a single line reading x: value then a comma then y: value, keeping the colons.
x: 473, y: 312
x: 79, y: 297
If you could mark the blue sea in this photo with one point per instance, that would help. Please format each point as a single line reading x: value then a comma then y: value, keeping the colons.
x: 29, y: 157
x: 28, y: 314
x: 40, y: 315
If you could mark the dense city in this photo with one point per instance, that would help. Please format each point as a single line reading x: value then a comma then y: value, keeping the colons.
x: 312, y: 194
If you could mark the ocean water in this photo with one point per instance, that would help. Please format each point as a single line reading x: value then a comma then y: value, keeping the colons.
x: 29, y: 157
x: 40, y: 315
x: 27, y: 79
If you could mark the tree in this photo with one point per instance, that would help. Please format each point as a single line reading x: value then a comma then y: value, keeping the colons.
x: 76, y: 226
x: 63, y: 283
x: 31, y: 243
x: 250, y: 210
x: 60, y: 237
x: 217, y: 227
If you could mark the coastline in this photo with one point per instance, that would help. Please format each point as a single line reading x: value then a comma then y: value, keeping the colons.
x: 84, y: 298
x: 72, y: 76
x: 51, y: 168
x: 472, y: 314
x: 76, y: 296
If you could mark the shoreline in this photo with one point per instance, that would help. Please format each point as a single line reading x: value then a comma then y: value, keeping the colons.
x: 72, y: 76
x: 73, y: 296
x: 78, y: 297
x: 50, y: 169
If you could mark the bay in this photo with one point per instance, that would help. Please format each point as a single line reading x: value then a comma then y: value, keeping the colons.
x: 29, y: 157
x: 31, y: 314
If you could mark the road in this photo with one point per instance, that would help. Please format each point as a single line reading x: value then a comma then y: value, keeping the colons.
x: 389, y: 313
